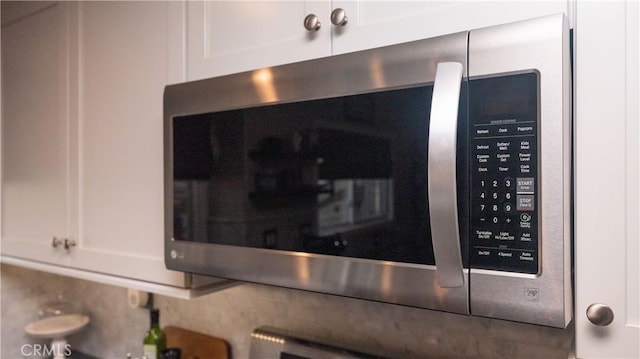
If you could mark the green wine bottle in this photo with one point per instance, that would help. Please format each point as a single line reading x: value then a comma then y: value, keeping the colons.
x: 155, y: 341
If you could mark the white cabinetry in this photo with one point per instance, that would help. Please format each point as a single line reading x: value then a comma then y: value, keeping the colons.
x: 374, y: 23
x: 123, y: 65
x: 607, y: 160
x: 37, y: 191
x: 82, y: 139
x: 232, y: 36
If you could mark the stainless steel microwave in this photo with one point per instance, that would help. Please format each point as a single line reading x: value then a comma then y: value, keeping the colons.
x: 434, y: 174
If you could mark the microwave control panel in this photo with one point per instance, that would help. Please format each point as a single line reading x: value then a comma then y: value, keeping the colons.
x: 503, y: 114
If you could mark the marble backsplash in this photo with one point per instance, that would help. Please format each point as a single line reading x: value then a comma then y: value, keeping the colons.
x: 232, y: 314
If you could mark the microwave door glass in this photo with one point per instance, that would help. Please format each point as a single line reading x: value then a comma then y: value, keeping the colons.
x: 342, y: 176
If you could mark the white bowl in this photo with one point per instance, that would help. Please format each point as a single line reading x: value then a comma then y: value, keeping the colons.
x: 57, y: 326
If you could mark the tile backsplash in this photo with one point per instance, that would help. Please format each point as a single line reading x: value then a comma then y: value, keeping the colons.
x: 232, y: 314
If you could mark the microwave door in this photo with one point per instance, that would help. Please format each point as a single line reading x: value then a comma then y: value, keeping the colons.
x: 326, y: 189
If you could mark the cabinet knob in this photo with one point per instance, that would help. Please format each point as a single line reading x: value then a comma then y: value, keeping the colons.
x: 311, y: 23
x: 339, y: 17
x: 57, y: 242
x: 600, y: 314
x: 68, y: 243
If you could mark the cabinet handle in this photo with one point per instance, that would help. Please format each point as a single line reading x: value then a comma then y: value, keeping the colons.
x: 57, y: 242
x: 600, y: 314
x: 339, y: 17
x: 68, y: 243
x: 311, y: 23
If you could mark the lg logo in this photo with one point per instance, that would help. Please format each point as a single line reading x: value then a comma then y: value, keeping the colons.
x: 532, y: 294
x: 176, y: 255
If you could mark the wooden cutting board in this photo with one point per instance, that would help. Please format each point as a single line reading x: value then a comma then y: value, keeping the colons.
x: 196, y: 345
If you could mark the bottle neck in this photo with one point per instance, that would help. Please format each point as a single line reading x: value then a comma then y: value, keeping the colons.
x: 155, y: 318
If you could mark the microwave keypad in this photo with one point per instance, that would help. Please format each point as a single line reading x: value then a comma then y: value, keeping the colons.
x: 504, y: 223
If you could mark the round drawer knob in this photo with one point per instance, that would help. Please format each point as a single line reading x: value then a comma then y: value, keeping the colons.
x: 57, y: 242
x: 600, y: 314
x: 69, y: 243
x: 339, y: 17
x: 311, y: 23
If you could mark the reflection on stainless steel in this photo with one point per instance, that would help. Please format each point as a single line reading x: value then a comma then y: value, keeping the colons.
x: 387, y: 277
x: 263, y: 81
x: 350, y: 277
x: 191, y: 221
x: 440, y: 292
x: 354, y: 204
x: 268, y: 342
x: 377, y: 72
x: 303, y: 268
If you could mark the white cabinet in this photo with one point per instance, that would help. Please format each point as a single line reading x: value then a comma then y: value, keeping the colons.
x: 82, y: 139
x: 374, y: 23
x: 124, y: 62
x: 607, y: 179
x: 37, y: 192
x: 232, y: 36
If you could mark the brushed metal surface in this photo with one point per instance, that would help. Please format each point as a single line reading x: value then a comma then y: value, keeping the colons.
x: 339, y: 17
x: 600, y: 314
x: 398, y: 66
x: 311, y: 23
x: 269, y: 342
x: 442, y: 183
x: 542, y: 45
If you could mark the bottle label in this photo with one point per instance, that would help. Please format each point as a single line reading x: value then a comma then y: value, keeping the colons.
x: 150, y: 351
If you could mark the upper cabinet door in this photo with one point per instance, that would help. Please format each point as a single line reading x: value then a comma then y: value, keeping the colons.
x: 232, y: 36
x: 124, y: 62
x: 35, y: 136
x: 373, y: 23
x: 607, y: 160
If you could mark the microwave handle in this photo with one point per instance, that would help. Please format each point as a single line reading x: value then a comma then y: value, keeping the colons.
x: 443, y: 205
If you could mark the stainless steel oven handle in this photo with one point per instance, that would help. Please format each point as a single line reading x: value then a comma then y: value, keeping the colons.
x: 443, y: 206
